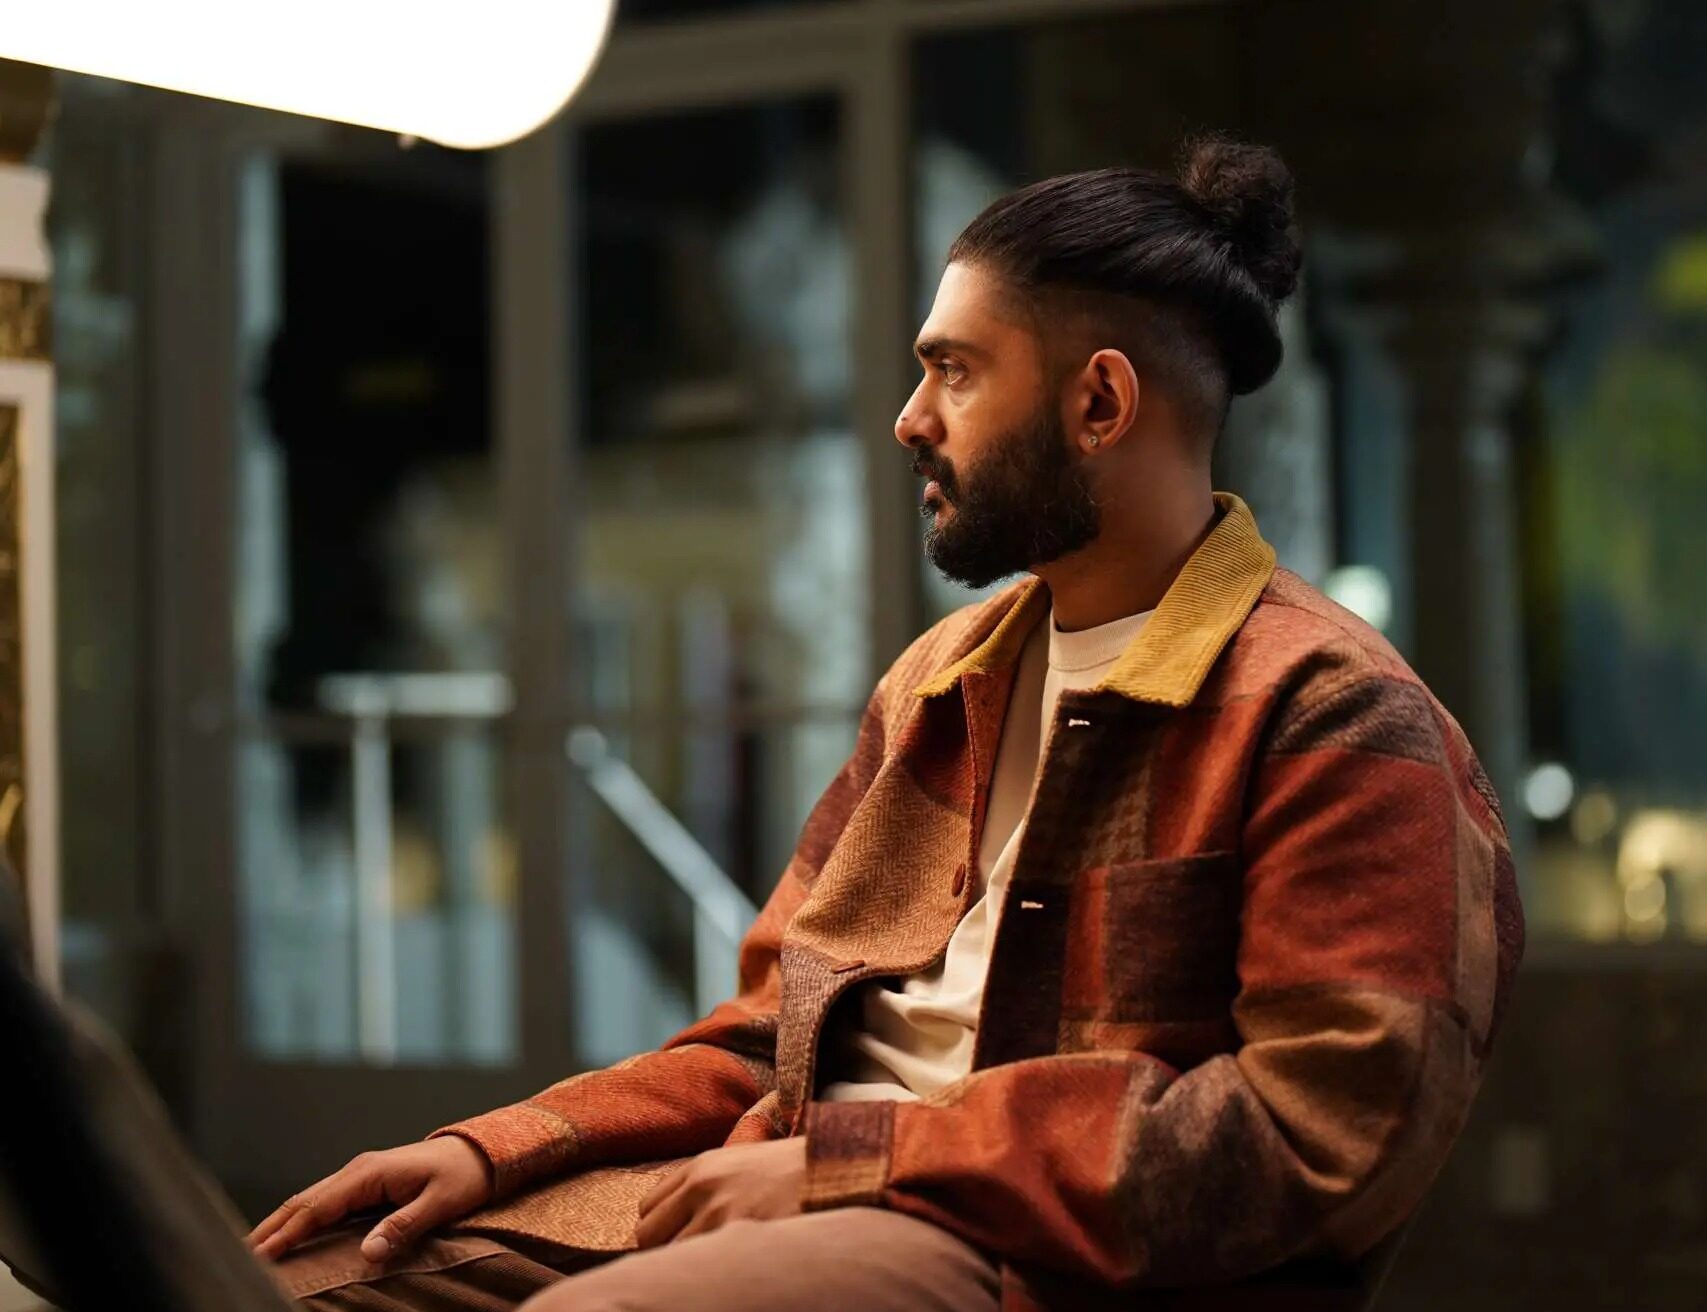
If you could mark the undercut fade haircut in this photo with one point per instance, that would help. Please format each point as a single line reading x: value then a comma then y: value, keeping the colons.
x: 1184, y: 273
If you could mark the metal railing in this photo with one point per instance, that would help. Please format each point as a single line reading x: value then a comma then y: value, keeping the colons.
x: 372, y: 702
x: 721, y: 911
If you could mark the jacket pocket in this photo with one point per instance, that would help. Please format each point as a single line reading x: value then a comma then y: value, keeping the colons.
x: 1154, y: 942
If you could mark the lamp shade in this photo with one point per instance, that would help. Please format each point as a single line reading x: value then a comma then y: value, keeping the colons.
x: 468, y: 73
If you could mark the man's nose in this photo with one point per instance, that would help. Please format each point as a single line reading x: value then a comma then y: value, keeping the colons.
x: 916, y: 425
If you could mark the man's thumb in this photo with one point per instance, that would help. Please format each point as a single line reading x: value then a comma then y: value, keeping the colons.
x: 400, y: 1229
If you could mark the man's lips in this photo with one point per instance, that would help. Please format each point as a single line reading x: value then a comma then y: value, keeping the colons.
x: 933, y: 489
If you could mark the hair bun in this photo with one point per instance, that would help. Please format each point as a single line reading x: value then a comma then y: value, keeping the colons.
x: 1246, y: 191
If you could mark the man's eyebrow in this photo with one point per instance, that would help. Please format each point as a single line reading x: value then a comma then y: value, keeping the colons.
x: 929, y: 348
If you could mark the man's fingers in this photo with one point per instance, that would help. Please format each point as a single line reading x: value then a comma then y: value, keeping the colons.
x: 305, y: 1218
x: 282, y: 1214
x: 704, y: 1221
x: 309, y: 1212
x: 279, y: 1215
x: 664, y: 1188
x: 668, y: 1215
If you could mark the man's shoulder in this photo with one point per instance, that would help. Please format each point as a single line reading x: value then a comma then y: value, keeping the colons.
x: 1330, y: 677
x: 1334, y: 681
x: 1296, y: 634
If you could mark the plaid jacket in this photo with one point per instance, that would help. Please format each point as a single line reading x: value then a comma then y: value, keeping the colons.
x: 1259, y: 934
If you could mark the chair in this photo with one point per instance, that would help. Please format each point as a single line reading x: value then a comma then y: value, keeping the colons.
x: 101, y: 1205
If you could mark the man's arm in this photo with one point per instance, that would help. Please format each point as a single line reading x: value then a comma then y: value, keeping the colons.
x: 687, y: 1096
x: 1379, y: 933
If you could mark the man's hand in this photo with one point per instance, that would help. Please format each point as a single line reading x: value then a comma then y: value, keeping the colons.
x: 429, y: 1183
x: 751, y: 1181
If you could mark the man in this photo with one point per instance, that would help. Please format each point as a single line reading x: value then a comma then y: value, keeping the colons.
x: 1155, y: 935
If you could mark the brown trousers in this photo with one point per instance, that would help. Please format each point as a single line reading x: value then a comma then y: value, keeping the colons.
x: 854, y: 1259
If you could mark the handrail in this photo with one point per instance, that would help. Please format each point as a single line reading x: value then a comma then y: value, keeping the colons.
x: 370, y: 702
x: 722, y: 912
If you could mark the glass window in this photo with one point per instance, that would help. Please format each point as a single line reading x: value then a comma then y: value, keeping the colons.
x: 377, y: 898
x: 368, y: 450
x: 375, y: 878
x: 721, y: 586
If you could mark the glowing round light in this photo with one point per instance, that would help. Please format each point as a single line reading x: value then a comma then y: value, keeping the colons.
x: 1594, y: 817
x: 460, y: 74
x: 1646, y: 900
x: 1548, y: 791
x: 1364, y: 591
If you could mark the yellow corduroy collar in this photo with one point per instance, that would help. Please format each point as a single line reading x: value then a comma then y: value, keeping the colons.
x: 1169, y: 659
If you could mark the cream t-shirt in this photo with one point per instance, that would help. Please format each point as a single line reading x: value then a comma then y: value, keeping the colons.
x: 916, y: 1034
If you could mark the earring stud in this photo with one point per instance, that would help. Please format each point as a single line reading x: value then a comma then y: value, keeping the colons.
x: 1094, y: 440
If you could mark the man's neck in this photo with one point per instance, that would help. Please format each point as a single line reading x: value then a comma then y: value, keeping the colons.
x: 1125, y: 572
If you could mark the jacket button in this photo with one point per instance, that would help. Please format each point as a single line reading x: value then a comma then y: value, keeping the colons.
x: 959, y: 885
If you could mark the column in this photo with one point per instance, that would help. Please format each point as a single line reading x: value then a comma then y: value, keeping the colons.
x: 29, y: 822
x: 1456, y: 331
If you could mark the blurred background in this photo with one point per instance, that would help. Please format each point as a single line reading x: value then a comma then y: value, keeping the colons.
x: 472, y: 566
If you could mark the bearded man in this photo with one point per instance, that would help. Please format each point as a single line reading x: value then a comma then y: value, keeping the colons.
x: 1153, y: 939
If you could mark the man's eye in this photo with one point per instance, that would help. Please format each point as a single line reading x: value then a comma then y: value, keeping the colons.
x: 951, y: 371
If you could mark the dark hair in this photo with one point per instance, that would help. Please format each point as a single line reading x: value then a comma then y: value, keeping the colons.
x: 1207, y: 257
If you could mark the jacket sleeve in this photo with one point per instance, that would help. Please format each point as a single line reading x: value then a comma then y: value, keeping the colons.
x: 1378, y: 935
x: 688, y: 1095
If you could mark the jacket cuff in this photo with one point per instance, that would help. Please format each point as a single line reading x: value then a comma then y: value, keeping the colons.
x: 523, y: 1143
x: 847, y: 1154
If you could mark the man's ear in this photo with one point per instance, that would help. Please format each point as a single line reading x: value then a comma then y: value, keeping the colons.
x: 1108, y: 400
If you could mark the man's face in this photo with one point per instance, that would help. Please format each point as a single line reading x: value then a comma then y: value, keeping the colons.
x: 1007, y: 491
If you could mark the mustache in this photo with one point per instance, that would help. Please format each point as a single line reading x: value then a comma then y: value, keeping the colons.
x: 927, y: 466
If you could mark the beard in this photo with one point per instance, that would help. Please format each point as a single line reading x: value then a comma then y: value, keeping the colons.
x: 1026, y: 503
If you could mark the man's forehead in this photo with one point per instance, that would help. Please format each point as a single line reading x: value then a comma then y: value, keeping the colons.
x: 972, y: 309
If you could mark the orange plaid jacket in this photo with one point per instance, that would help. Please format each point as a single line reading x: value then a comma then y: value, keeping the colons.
x: 1259, y: 935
